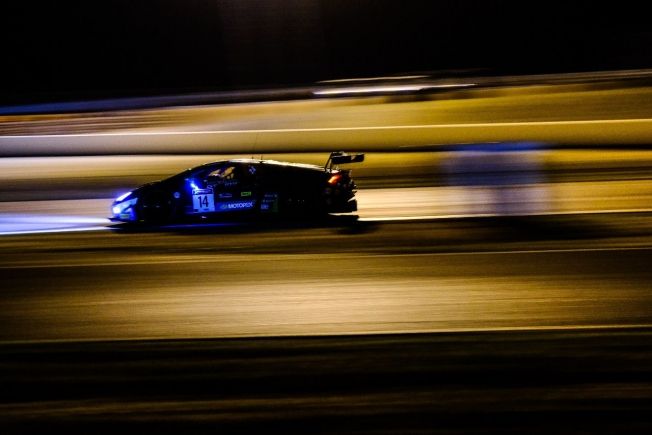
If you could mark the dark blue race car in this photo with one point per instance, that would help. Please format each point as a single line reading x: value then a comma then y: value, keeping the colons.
x: 243, y: 187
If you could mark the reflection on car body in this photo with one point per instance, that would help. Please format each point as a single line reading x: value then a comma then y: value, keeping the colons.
x: 243, y: 187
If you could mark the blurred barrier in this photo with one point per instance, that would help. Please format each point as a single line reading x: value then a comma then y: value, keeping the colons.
x: 499, y: 178
x: 384, y: 138
x: 428, y: 82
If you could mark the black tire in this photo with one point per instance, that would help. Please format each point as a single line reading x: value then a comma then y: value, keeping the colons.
x: 155, y: 208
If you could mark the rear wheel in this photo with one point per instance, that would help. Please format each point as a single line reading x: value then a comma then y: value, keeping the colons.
x: 301, y: 208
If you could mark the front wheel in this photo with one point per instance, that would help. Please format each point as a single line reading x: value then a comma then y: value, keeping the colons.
x: 155, y: 208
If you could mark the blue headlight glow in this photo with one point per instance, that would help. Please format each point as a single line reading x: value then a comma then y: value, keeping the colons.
x: 122, y: 197
x: 124, y: 210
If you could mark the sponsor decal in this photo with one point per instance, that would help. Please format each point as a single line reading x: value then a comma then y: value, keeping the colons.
x: 202, y: 191
x: 269, y: 203
x: 245, y: 194
x: 229, y: 183
x: 224, y: 195
x: 236, y: 205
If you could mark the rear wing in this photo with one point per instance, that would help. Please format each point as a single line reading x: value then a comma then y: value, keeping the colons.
x: 340, y: 157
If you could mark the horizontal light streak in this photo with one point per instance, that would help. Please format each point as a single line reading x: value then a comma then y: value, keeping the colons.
x: 382, y: 89
x: 373, y: 79
x: 343, y: 129
x: 47, y: 223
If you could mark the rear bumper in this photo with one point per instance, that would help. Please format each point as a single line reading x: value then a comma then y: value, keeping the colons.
x: 345, y: 207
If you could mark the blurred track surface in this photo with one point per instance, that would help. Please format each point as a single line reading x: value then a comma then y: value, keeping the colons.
x: 336, y: 277
x: 510, y: 325
x: 563, y: 382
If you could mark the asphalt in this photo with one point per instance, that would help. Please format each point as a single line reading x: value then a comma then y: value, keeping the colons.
x: 556, y: 381
x: 484, y: 325
x: 339, y: 276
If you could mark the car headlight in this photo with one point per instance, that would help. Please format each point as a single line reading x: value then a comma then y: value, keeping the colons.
x: 124, y: 209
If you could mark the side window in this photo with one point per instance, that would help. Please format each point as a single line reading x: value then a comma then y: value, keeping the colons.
x: 224, y: 173
x: 197, y: 179
x: 225, y: 176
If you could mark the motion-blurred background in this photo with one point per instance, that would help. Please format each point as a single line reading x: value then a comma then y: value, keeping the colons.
x: 495, y: 278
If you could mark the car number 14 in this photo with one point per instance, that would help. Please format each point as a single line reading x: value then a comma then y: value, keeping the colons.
x: 203, y: 202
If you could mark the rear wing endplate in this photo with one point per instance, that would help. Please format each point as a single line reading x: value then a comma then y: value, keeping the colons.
x: 340, y: 157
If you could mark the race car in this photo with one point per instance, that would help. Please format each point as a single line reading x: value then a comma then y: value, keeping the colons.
x: 243, y: 187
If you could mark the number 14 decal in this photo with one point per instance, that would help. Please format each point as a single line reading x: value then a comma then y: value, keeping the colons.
x: 203, y: 202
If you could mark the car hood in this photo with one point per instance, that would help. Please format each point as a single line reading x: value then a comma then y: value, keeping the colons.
x: 145, y: 187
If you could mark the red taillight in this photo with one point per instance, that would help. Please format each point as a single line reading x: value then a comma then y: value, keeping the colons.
x: 334, y: 179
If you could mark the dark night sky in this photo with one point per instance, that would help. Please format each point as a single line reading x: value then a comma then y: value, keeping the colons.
x: 64, y: 50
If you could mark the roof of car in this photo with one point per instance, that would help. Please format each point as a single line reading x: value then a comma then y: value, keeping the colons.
x: 269, y: 162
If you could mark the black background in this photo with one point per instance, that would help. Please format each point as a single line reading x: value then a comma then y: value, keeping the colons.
x: 67, y: 50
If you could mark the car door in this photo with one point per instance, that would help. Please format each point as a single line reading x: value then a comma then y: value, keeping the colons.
x: 233, y: 185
